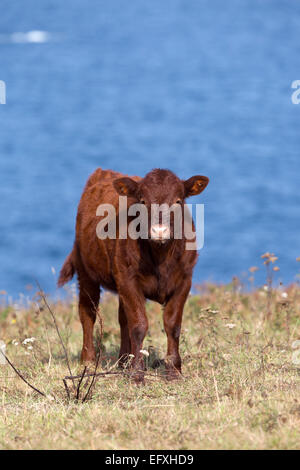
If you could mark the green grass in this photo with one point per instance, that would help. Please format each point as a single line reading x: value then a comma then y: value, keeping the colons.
x: 240, y: 388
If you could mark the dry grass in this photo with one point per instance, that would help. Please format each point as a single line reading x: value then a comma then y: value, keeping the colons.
x: 240, y: 388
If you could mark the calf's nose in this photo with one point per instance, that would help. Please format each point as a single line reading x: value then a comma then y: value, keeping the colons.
x: 160, y: 232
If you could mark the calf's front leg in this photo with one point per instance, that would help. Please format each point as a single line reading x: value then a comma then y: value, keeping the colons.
x: 133, y: 302
x: 172, y: 323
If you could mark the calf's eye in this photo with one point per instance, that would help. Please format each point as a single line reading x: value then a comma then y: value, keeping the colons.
x: 179, y: 201
x: 142, y: 201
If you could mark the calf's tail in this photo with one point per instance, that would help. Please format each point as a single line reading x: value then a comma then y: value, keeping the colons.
x: 67, y: 271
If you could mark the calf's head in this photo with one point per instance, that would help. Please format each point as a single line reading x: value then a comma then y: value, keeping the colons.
x: 162, y: 193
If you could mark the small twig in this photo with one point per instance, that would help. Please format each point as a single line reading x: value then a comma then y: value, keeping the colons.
x: 91, y: 385
x: 216, y: 388
x: 67, y: 388
x: 47, y: 338
x: 21, y: 376
x: 92, y: 374
x: 110, y: 372
x: 80, y: 382
x: 56, y: 326
x: 98, y: 356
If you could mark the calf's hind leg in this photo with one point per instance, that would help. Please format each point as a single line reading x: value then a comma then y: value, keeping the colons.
x: 89, y: 295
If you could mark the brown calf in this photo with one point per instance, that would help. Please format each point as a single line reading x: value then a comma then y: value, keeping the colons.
x: 157, y: 267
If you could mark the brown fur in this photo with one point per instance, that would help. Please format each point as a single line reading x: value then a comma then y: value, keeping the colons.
x: 136, y: 269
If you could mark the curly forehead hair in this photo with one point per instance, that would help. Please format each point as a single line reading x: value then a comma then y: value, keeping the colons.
x: 161, y: 176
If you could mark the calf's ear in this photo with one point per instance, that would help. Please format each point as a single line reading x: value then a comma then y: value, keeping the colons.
x: 195, y: 185
x: 126, y: 186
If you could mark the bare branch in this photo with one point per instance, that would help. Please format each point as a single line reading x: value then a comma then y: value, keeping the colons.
x: 98, y: 359
x: 67, y: 388
x: 91, y: 374
x: 80, y: 382
x: 21, y: 376
x: 41, y: 292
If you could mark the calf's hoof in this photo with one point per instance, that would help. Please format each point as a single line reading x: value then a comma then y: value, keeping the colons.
x: 87, y: 357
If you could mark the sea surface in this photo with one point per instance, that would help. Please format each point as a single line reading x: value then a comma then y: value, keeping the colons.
x: 197, y: 86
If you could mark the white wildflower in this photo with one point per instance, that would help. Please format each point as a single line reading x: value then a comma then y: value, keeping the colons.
x: 144, y: 352
x: 284, y: 295
x: 230, y: 325
x: 15, y: 342
x: 29, y: 340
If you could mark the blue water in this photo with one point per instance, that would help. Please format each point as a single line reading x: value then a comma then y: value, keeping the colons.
x: 198, y: 86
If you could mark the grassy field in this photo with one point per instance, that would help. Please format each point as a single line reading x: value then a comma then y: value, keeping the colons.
x: 240, y: 390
